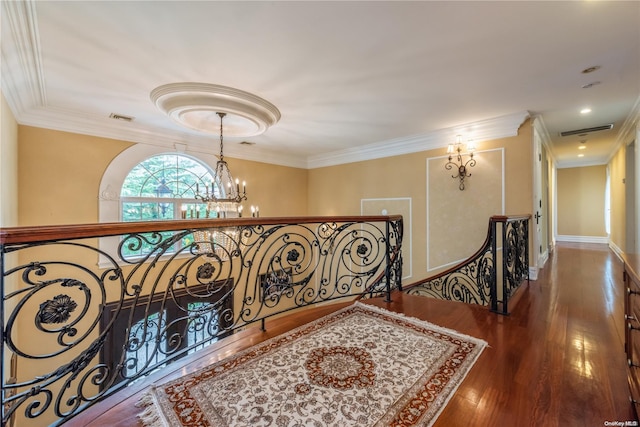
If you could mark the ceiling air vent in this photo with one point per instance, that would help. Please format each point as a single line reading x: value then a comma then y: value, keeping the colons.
x: 120, y: 117
x: 586, y: 130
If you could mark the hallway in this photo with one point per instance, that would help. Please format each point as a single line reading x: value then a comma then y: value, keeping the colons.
x: 557, y: 360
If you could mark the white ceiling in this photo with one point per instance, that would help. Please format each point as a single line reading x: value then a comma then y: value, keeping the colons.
x: 352, y: 80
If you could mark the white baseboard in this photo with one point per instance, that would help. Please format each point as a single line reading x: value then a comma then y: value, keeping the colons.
x: 582, y: 239
x: 533, y: 273
x: 542, y: 260
x: 616, y: 250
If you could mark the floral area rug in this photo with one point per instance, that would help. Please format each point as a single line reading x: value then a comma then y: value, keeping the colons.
x: 361, y: 366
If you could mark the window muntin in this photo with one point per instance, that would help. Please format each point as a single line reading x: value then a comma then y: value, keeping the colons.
x: 163, y: 187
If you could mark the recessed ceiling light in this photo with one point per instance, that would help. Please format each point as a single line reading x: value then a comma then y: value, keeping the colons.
x: 590, y: 69
x: 580, y: 155
x: 585, y: 110
x: 582, y: 147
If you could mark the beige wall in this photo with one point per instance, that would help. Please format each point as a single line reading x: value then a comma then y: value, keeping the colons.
x: 338, y: 190
x: 60, y: 176
x: 581, y: 202
x: 618, y: 200
x: 8, y: 202
x: 8, y: 166
x: 277, y: 190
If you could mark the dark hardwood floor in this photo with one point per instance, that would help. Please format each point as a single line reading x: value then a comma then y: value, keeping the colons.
x: 557, y: 360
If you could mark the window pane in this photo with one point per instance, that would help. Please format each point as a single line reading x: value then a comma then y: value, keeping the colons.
x: 172, y: 178
x: 147, y: 211
x: 167, y: 175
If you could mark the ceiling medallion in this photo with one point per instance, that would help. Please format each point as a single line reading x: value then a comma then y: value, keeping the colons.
x: 196, y: 106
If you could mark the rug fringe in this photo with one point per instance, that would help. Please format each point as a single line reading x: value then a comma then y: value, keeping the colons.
x: 151, y: 416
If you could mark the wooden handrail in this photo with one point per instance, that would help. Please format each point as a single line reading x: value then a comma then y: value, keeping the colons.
x: 507, y: 218
x: 47, y: 233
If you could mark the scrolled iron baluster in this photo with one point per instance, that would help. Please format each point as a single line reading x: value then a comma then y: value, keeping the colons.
x: 327, y: 261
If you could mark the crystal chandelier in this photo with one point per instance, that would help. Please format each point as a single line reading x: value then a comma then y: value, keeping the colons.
x: 227, y: 202
x: 187, y: 103
x: 221, y: 243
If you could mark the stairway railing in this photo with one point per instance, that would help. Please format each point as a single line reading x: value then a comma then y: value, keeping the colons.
x: 81, y: 321
x: 491, y: 276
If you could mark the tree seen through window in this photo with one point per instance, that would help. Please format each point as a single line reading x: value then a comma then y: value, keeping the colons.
x: 163, y: 187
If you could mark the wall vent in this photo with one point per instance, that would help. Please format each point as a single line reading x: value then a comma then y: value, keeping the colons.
x: 586, y: 130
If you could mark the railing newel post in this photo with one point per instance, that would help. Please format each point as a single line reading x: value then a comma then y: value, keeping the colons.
x: 388, y: 262
x: 493, y: 286
x: 2, y: 357
x: 505, y: 267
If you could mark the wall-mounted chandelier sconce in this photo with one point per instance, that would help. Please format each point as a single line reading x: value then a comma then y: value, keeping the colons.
x: 456, y: 160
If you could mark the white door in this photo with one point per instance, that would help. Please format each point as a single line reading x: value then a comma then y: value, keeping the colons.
x: 539, y: 216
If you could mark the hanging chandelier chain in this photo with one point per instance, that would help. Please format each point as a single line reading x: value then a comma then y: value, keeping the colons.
x: 229, y: 198
x: 221, y: 116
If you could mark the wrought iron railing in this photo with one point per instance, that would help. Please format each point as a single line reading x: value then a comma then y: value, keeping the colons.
x: 491, y: 276
x: 82, y: 319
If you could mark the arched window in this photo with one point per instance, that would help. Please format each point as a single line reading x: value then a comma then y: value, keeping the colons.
x: 164, y: 187
x: 147, y: 182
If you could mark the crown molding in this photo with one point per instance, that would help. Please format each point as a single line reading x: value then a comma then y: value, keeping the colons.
x: 483, y: 130
x: 629, y: 127
x: 22, y: 53
x: 541, y: 128
x: 85, y: 124
x: 629, y: 130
